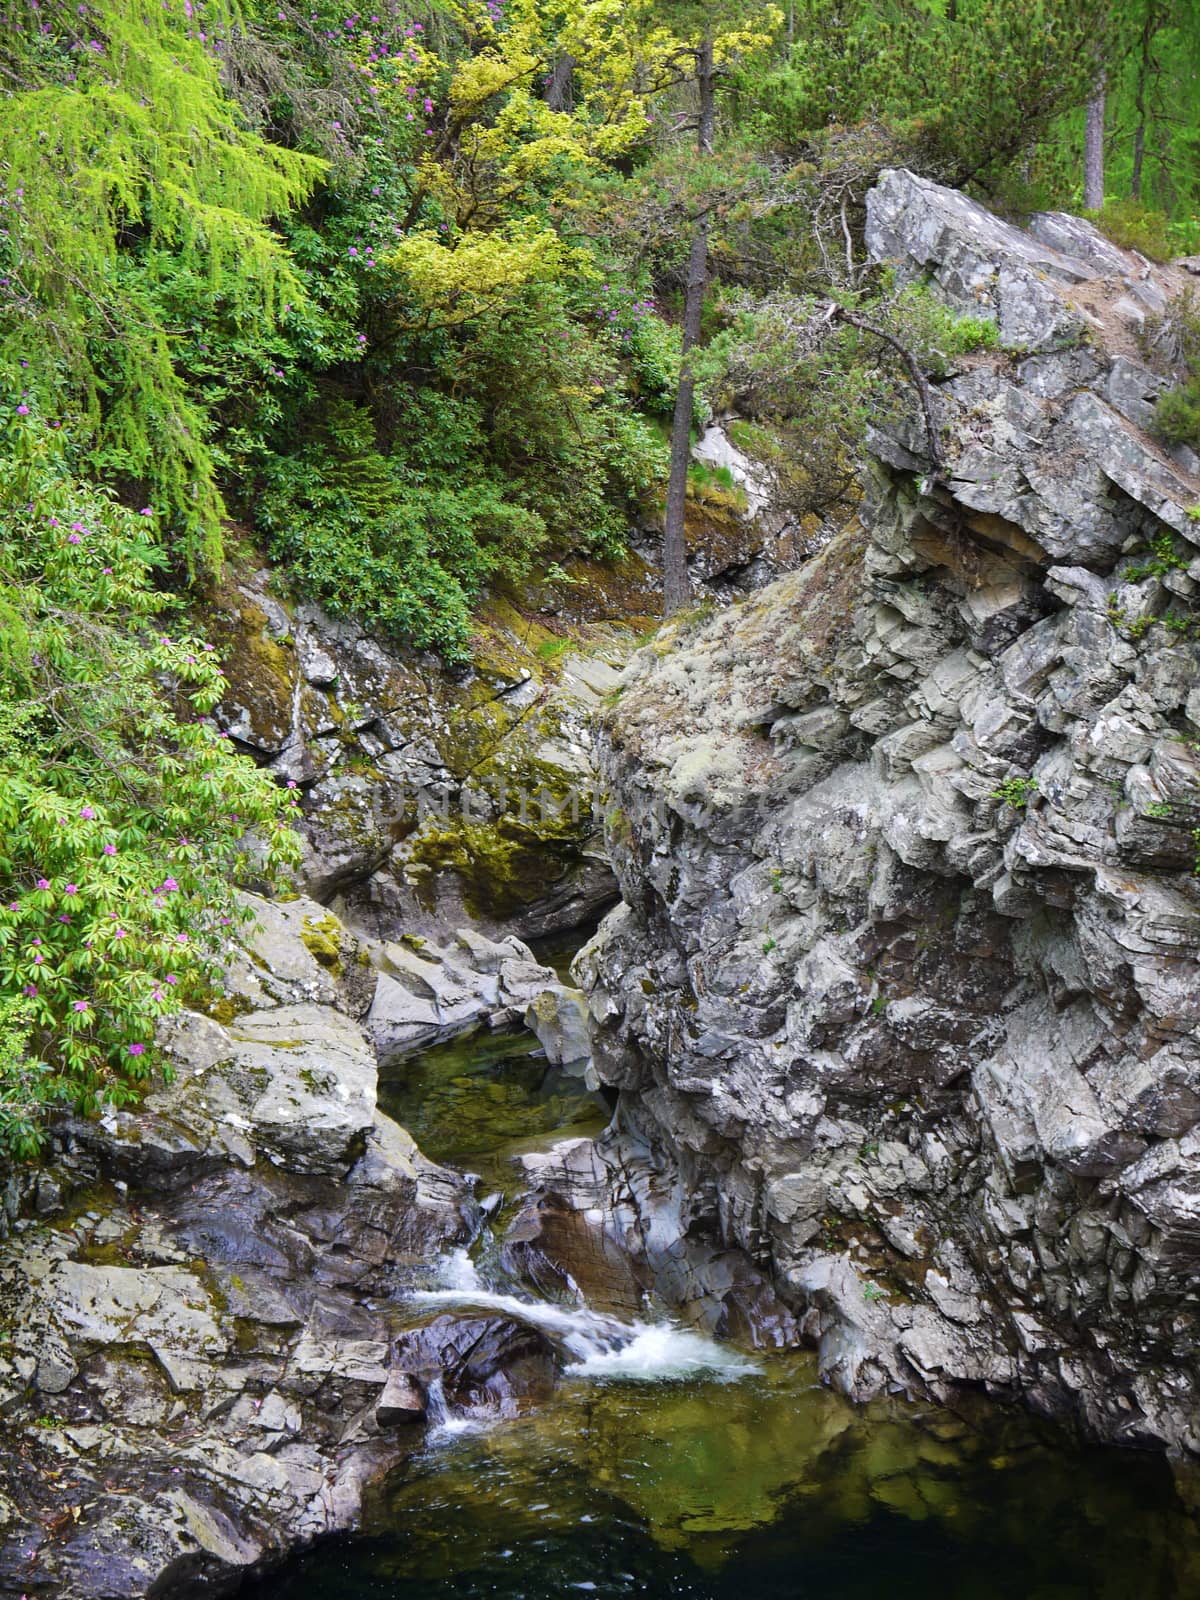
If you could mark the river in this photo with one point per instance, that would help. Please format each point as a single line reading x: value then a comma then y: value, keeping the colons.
x: 668, y: 1465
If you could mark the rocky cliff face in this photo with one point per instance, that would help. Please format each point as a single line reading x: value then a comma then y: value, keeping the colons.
x: 906, y: 982
x: 436, y: 796
x: 431, y: 797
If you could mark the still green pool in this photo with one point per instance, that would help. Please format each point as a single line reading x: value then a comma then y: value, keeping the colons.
x: 760, y: 1489
x: 478, y: 1101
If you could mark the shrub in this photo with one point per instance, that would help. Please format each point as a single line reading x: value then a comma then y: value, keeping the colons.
x: 1171, y: 346
x: 1015, y: 792
x: 1177, y: 414
x: 820, y: 383
x: 126, y: 820
x: 369, y: 542
x: 1135, y: 227
x: 401, y: 510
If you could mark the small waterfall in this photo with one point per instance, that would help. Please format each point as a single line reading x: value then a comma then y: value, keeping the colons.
x: 441, y: 1421
x: 598, y: 1346
x: 435, y: 1402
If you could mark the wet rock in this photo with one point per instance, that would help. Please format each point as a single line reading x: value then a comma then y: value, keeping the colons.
x: 484, y: 1365
x: 198, y: 1340
x: 429, y: 798
x: 401, y: 1401
x: 610, y: 1219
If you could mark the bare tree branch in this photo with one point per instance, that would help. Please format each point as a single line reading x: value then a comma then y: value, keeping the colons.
x: 913, y: 367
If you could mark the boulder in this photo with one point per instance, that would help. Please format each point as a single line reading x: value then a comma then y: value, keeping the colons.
x: 559, y: 1017
x: 980, y: 265
x: 401, y: 1401
x: 483, y: 1365
x: 427, y: 993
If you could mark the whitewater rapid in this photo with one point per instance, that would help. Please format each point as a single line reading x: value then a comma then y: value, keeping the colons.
x: 599, y: 1346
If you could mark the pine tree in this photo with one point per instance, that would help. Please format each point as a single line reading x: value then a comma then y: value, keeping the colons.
x: 714, y: 35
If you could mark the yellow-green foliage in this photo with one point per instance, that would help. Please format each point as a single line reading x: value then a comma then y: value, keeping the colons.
x: 479, y: 272
x: 1134, y: 227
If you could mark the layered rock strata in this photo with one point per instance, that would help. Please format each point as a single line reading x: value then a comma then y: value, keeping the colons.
x: 905, y: 984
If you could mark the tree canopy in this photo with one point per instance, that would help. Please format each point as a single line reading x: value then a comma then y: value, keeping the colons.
x: 425, y: 298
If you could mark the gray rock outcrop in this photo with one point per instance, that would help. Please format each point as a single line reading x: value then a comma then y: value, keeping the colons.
x: 906, y: 982
x: 208, y: 1349
x: 429, y: 797
x: 427, y: 993
x: 559, y: 1017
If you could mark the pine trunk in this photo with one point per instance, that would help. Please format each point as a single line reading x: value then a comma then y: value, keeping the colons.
x: 677, y: 586
x: 1093, y: 151
x: 1149, y: 29
x: 559, y: 88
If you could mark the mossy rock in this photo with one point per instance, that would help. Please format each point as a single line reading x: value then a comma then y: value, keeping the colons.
x: 261, y: 673
x: 626, y: 591
x: 501, y: 866
x: 322, y: 938
x: 228, y: 1008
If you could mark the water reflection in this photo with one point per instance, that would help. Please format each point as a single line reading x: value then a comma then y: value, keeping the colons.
x: 762, y: 1486
x: 482, y: 1099
x: 770, y: 1486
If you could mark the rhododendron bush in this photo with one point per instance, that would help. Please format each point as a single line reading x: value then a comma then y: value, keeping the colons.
x: 126, y: 820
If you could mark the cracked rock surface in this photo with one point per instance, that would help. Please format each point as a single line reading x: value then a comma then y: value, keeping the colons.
x: 905, y: 984
x: 207, y: 1353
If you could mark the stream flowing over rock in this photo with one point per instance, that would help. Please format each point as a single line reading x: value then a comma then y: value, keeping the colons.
x: 898, y: 1010
x: 905, y: 984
